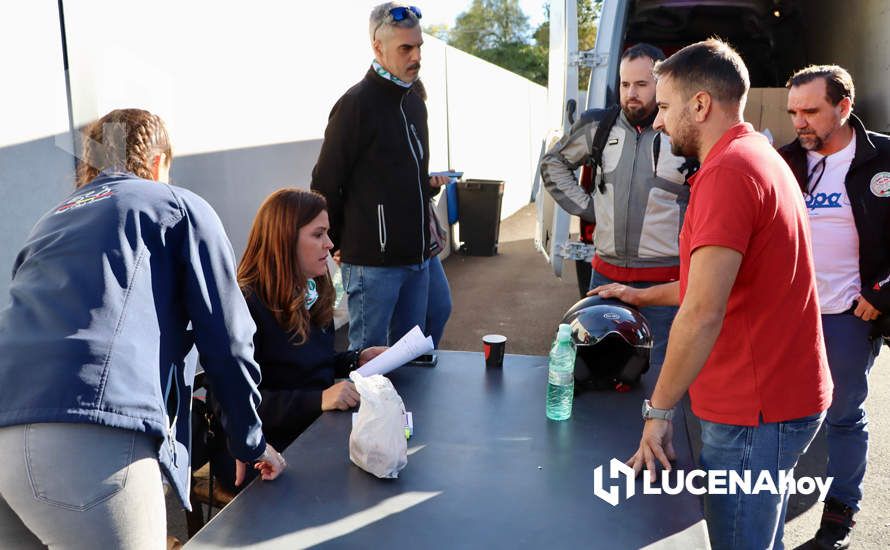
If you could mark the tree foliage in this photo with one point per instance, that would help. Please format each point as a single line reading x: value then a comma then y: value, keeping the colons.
x: 498, y: 31
x: 439, y: 30
x: 588, y: 14
x: 490, y: 24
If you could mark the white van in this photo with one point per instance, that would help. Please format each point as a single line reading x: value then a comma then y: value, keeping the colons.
x: 774, y: 37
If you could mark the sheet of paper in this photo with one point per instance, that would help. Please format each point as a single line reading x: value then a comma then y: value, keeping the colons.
x: 408, y: 348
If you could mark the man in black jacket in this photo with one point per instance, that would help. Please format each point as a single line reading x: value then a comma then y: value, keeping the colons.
x: 844, y: 173
x: 373, y: 170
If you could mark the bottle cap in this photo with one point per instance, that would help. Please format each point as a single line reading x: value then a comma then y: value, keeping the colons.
x: 564, y: 334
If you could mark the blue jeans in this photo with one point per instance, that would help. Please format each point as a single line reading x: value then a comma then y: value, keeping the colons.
x: 660, y: 319
x: 438, y: 307
x: 851, y: 355
x: 385, y: 302
x: 756, y: 521
x: 80, y: 486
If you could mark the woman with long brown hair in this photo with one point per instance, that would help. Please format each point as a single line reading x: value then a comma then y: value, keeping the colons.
x: 95, y: 383
x: 284, y: 277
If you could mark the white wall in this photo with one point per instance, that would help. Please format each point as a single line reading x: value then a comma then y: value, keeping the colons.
x: 35, y: 170
x: 245, y: 90
x: 491, y: 112
x: 223, y: 74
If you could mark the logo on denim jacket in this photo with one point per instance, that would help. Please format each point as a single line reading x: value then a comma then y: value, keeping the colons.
x: 79, y: 201
x: 699, y: 482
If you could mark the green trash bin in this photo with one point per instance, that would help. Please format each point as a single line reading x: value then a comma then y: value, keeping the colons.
x: 479, y: 203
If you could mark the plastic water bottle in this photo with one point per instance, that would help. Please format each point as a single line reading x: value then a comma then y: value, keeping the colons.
x: 339, y: 291
x: 561, y: 376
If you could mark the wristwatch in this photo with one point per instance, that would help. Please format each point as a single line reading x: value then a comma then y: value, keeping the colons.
x: 651, y: 412
x: 354, y: 359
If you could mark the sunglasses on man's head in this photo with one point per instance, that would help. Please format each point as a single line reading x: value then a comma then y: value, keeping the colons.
x: 401, y: 13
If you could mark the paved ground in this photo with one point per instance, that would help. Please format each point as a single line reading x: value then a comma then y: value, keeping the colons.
x: 516, y: 294
x: 513, y: 293
x: 873, y: 522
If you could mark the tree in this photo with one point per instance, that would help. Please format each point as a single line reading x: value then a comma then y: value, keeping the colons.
x: 439, y: 30
x: 588, y: 14
x: 490, y: 24
x: 498, y: 31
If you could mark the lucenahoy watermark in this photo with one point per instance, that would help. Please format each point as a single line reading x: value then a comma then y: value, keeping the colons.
x: 699, y: 482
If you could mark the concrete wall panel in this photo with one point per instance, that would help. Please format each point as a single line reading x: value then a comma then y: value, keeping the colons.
x: 491, y: 113
x: 246, y: 89
x: 35, y: 169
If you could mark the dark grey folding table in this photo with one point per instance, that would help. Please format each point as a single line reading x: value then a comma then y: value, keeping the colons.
x: 486, y: 469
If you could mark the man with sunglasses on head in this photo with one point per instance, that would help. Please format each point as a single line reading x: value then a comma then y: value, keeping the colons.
x: 844, y: 172
x: 373, y: 170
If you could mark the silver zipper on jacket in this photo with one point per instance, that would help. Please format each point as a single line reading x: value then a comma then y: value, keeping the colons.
x: 656, y: 152
x: 171, y: 426
x: 633, y: 173
x: 381, y: 227
x: 419, y: 184
x: 417, y: 138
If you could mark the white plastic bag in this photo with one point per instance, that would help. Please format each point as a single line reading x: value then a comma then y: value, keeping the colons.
x: 377, y: 442
x: 341, y: 312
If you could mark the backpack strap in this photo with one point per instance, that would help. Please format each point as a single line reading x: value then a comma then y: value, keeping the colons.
x: 688, y: 168
x: 599, y: 143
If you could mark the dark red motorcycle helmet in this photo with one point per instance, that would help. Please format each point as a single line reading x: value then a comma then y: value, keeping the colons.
x: 613, y: 341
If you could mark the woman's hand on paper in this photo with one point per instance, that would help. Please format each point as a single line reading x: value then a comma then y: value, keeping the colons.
x: 369, y: 353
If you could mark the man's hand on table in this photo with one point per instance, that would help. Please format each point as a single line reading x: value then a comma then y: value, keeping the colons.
x: 270, y: 464
x: 656, y: 444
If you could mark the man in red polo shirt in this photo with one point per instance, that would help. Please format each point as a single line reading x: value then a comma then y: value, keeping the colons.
x: 747, y: 339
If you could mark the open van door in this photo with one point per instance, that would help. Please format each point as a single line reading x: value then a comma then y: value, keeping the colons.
x: 552, y: 229
x: 605, y: 57
x: 562, y: 89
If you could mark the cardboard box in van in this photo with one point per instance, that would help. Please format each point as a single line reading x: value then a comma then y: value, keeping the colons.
x: 767, y: 108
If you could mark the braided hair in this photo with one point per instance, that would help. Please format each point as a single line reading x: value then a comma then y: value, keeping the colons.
x: 124, y: 140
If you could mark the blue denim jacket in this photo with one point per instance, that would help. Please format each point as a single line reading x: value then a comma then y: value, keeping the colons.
x: 111, y: 291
